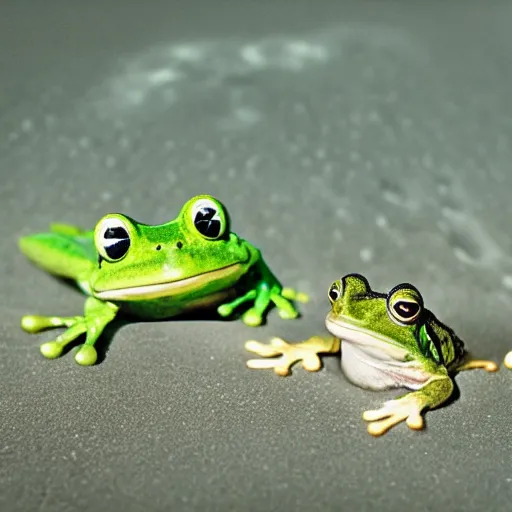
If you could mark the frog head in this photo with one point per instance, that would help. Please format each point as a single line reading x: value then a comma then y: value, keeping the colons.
x: 393, y: 327
x: 193, y: 254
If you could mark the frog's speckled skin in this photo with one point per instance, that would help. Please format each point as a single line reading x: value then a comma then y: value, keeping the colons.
x: 154, y: 272
x: 388, y: 341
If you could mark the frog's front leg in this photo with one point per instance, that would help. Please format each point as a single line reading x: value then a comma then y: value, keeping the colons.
x: 306, y: 351
x: 409, y: 407
x: 97, y: 315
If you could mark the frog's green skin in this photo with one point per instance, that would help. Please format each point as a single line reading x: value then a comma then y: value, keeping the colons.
x: 388, y: 341
x: 154, y: 272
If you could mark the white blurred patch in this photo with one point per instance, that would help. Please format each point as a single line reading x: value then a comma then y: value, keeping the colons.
x: 165, y: 72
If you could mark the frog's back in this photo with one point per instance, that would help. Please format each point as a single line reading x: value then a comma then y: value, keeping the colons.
x: 65, y: 251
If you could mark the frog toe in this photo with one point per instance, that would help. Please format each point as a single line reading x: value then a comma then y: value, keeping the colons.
x: 252, y: 318
x: 291, y: 294
x: 31, y: 323
x: 51, y: 349
x: 36, y: 323
x: 224, y: 310
x: 381, y: 421
x: 86, y: 355
x: 415, y: 421
x: 286, y: 314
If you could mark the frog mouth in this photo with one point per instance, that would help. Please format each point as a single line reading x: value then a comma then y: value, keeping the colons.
x: 366, y: 339
x: 169, y: 288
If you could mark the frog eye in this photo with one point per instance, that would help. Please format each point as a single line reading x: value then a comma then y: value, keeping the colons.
x: 334, y: 292
x: 404, y: 304
x: 209, y: 218
x: 112, y: 238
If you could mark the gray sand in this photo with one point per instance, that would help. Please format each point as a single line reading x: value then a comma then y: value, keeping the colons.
x: 370, y: 137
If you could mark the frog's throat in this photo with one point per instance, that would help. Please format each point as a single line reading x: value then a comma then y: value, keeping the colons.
x: 166, y: 289
x: 350, y: 332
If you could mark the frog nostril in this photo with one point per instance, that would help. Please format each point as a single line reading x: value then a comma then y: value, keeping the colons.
x: 179, y: 245
x: 158, y: 247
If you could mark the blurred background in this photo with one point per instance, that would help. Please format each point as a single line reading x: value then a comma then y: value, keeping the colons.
x: 343, y: 136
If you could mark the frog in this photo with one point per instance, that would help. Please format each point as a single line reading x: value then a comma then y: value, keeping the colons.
x: 386, y: 341
x: 191, y: 264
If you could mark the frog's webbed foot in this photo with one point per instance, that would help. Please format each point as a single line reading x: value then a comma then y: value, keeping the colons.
x: 97, y: 315
x: 281, y: 298
x: 392, y: 413
x: 409, y: 407
x: 52, y: 349
x: 263, y: 297
x: 307, y: 352
x: 508, y: 360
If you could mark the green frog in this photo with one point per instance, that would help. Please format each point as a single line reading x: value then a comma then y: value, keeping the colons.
x: 154, y: 272
x: 387, y: 341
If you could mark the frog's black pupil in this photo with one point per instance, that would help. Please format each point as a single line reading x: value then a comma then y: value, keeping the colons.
x: 117, y: 242
x: 406, y: 309
x: 158, y: 247
x: 179, y: 245
x: 333, y: 294
x: 206, y: 224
